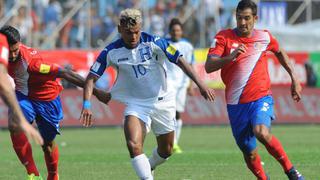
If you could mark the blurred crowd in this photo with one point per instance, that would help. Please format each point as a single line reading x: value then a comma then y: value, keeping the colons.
x: 89, y: 23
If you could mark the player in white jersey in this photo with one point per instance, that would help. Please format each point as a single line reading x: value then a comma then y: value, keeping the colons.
x: 177, y: 79
x: 142, y: 86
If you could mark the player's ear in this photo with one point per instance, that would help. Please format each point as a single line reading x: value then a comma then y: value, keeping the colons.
x: 255, y: 18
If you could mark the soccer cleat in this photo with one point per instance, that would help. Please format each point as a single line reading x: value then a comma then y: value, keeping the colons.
x: 34, y: 177
x: 294, y: 174
x: 177, y: 149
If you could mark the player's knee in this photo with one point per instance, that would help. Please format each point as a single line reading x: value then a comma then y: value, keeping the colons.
x: 135, y: 148
x: 262, y: 135
x: 251, y: 155
x: 14, y: 127
x: 166, y: 151
x: 48, y: 146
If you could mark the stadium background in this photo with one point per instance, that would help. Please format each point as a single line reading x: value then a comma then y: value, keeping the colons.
x: 72, y: 32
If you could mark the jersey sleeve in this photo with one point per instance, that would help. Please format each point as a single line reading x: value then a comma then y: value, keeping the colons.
x: 169, y: 50
x: 38, y: 66
x: 273, y: 45
x: 101, y: 63
x: 218, y: 45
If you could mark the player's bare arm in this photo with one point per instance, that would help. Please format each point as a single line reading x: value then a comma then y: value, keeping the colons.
x: 295, y: 85
x: 215, y: 63
x: 206, y: 92
x: 78, y: 80
x: 86, y: 113
x: 18, y: 122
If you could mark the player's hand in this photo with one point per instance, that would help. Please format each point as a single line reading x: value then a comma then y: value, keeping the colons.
x: 241, y: 49
x: 296, y: 90
x: 102, y: 96
x: 86, y: 117
x: 207, y: 93
x: 31, y: 132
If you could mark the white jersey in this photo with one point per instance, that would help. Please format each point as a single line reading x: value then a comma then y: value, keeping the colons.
x: 176, y: 77
x: 141, y: 71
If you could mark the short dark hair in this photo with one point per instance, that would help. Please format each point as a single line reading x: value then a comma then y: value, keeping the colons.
x: 12, y: 34
x: 244, y: 4
x: 174, y: 21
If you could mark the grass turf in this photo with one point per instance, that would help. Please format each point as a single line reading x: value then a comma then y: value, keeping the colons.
x: 210, y: 153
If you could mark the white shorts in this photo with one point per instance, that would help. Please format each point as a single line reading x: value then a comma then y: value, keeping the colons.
x: 181, y: 97
x: 160, y: 117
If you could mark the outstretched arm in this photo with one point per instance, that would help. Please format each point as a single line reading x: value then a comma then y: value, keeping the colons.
x: 206, y: 92
x: 295, y: 85
x: 78, y: 80
x: 18, y: 121
x: 86, y: 113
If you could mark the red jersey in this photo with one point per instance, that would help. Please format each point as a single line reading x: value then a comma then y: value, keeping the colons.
x: 34, y: 77
x: 246, y: 78
x: 4, y: 50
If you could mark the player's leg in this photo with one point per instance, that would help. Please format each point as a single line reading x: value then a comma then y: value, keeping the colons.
x: 49, y: 115
x: 163, y: 151
x: 19, y: 140
x: 245, y: 139
x: 135, y: 132
x: 51, y: 152
x: 163, y: 126
x: 262, y: 117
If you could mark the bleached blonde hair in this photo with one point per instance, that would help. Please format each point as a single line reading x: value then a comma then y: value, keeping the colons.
x: 130, y: 18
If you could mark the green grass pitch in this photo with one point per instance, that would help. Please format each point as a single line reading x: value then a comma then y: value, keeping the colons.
x: 210, y: 153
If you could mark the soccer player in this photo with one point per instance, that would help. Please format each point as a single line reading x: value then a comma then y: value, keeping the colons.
x: 177, y: 78
x: 37, y: 91
x: 142, y: 86
x: 8, y: 96
x: 240, y: 53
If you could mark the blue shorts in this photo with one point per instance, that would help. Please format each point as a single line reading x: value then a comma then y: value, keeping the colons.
x: 47, y: 114
x: 243, y: 117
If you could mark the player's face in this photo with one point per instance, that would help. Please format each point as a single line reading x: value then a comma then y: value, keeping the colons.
x: 176, y: 32
x: 245, y: 21
x: 130, y: 36
x: 14, y: 52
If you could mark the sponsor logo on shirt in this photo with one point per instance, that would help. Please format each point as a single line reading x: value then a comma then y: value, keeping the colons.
x: 123, y: 59
x: 44, y: 68
x: 258, y: 46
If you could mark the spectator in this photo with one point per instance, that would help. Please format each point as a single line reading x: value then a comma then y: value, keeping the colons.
x: 23, y: 22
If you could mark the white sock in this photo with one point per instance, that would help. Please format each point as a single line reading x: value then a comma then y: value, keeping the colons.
x: 178, y: 131
x: 142, y: 167
x: 156, y: 159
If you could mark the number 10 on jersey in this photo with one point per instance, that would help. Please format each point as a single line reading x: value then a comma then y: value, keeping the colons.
x: 139, y: 70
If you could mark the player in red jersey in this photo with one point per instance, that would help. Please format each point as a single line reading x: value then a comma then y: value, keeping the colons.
x: 8, y: 96
x: 37, y: 91
x: 240, y: 53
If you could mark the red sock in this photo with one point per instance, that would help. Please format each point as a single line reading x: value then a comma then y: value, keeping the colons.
x: 52, y: 159
x: 256, y: 167
x: 275, y: 148
x: 24, y: 152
